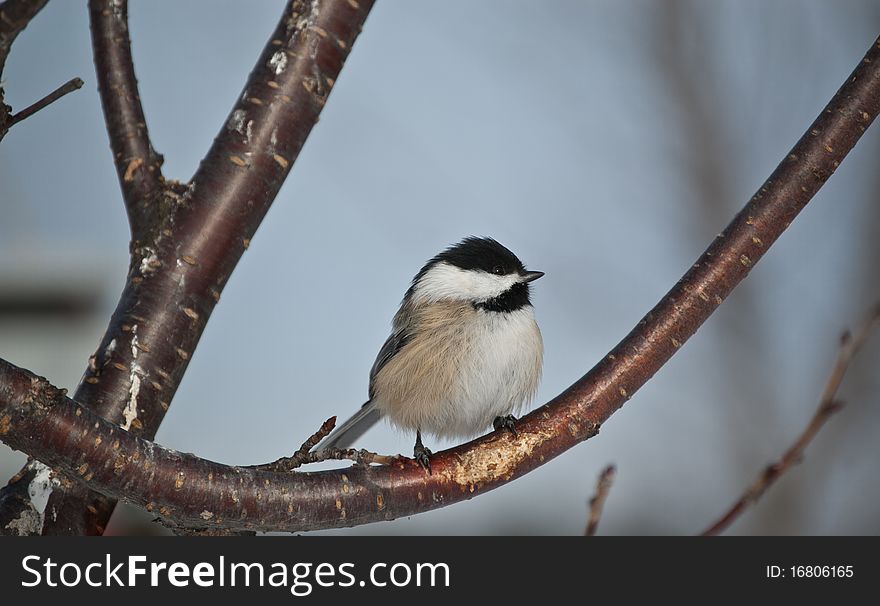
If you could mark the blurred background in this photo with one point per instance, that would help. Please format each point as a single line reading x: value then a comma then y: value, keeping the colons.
x: 606, y: 143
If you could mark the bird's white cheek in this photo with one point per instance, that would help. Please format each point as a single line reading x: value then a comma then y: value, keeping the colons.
x: 445, y: 281
x: 488, y: 286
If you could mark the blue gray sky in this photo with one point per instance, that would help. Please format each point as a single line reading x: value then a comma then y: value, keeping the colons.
x: 559, y: 129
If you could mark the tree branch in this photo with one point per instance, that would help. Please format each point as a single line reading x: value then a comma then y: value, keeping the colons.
x: 603, y: 486
x: 300, y: 457
x: 188, y: 491
x: 15, y: 15
x: 18, y: 516
x: 828, y: 405
x: 138, y: 166
x: 67, y: 87
x: 305, y: 456
x: 192, y: 236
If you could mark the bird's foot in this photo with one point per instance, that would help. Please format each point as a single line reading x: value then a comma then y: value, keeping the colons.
x: 421, y: 454
x: 507, y: 422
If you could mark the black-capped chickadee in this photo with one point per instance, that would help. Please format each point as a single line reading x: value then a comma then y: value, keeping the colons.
x: 465, y: 350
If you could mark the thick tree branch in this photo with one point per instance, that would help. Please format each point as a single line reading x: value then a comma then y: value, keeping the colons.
x: 193, y: 236
x: 188, y: 491
x: 137, y: 163
x: 828, y: 405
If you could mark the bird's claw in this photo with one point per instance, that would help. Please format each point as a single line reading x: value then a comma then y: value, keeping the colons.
x: 507, y: 422
x: 422, y: 456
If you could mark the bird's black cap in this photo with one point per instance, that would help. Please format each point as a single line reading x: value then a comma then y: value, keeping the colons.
x: 478, y: 253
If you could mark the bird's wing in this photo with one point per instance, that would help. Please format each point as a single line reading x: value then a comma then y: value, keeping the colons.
x: 393, y: 344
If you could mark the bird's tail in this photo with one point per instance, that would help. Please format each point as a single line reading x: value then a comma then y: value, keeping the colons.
x: 346, y: 434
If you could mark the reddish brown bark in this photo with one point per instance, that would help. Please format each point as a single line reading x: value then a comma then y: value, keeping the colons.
x: 138, y: 166
x: 187, y: 239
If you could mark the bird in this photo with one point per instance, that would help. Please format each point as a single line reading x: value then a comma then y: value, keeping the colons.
x: 465, y: 352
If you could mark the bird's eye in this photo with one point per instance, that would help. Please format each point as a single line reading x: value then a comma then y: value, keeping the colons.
x: 498, y: 270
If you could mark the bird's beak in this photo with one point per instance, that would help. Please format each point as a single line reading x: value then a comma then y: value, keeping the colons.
x: 531, y: 276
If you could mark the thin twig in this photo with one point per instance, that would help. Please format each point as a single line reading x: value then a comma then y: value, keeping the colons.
x: 828, y: 405
x: 603, y: 486
x: 15, y: 15
x: 300, y: 456
x: 361, y: 457
x: 67, y: 87
x: 304, y: 456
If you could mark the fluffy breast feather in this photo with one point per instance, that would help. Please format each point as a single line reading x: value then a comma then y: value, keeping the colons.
x: 461, y: 368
